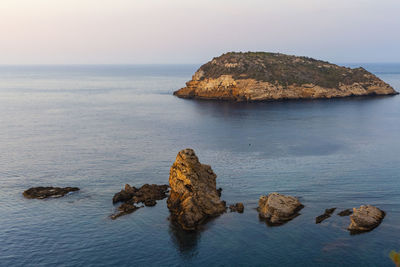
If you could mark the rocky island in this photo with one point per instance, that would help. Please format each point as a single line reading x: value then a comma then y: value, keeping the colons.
x: 258, y: 76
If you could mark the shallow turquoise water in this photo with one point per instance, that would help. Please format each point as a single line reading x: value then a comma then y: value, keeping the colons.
x: 99, y: 127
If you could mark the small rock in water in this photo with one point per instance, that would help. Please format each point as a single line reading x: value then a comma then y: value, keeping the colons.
x: 326, y: 215
x: 147, y: 191
x: 345, y: 212
x: 219, y: 191
x: 365, y: 218
x: 238, y: 207
x: 124, y: 209
x: 46, y: 192
x: 147, y: 194
x: 277, y: 209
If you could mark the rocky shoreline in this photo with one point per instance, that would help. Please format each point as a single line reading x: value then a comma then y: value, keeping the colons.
x: 194, y: 199
x: 261, y: 76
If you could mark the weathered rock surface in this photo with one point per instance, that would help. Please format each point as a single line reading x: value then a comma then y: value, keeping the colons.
x: 326, y: 215
x: 193, y: 197
x: 147, y: 194
x: 255, y: 76
x: 345, y: 212
x: 238, y: 207
x: 365, y: 219
x: 45, y: 192
x: 277, y: 209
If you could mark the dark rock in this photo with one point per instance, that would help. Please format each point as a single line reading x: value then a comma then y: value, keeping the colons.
x: 125, y: 208
x: 277, y: 209
x: 365, y: 219
x: 346, y: 212
x: 147, y: 194
x: 122, y: 196
x: 219, y: 191
x: 147, y: 191
x: 326, y: 215
x: 150, y: 202
x: 238, y: 207
x: 194, y: 198
x: 45, y: 192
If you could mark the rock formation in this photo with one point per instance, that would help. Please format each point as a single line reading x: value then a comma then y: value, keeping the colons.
x: 255, y: 76
x: 277, y: 209
x: 238, y: 207
x: 326, y: 215
x: 147, y: 194
x: 365, y: 219
x: 193, y: 197
x: 45, y: 192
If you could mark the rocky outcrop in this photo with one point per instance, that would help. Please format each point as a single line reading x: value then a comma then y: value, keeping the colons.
x: 46, y: 192
x: 277, y: 209
x: 238, y: 207
x: 326, y: 215
x: 193, y: 197
x: 365, y: 219
x: 147, y: 194
x: 255, y: 76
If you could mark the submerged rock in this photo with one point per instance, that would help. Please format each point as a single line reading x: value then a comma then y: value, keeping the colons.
x: 238, y: 207
x: 46, y: 192
x: 277, y: 209
x: 345, y: 212
x: 365, y: 219
x: 124, y: 209
x: 326, y: 215
x: 193, y: 197
x: 255, y: 76
x: 147, y: 194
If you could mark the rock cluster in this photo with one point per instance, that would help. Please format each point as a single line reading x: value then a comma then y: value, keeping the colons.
x: 193, y: 198
x: 326, y: 215
x: 365, y: 219
x: 238, y: 207
x: 255, y: 76
x: 45, y: 192
x: 147, y: 194
x: 277, y: 209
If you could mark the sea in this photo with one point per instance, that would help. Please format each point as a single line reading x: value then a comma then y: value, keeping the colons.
x: 99, y: 127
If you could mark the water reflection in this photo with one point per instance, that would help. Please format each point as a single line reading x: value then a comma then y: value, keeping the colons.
x: 184, y: 241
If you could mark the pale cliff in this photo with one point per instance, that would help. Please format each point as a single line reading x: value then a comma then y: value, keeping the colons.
x: 255, y: 76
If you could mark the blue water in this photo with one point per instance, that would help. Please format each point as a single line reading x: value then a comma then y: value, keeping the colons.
x: 99, y: 127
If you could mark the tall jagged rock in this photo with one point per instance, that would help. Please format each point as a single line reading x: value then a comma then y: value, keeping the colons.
x: 193, y: 197
x: 256, y: 76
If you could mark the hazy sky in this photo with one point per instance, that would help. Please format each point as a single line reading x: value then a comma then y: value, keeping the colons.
x: 189, y: 31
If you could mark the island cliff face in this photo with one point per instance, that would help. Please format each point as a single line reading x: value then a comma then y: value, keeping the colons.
x: 255, y: 76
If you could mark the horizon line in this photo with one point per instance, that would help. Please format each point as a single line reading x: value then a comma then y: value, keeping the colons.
x: 153, y: 64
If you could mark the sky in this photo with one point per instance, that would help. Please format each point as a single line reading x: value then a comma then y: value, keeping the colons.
x: 189, y: 31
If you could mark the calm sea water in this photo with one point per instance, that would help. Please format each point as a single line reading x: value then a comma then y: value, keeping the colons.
x: 99, y: 127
